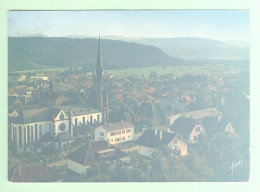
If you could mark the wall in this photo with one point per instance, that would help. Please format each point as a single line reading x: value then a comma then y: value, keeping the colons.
x: 76, y: 167
x: 146, y: 151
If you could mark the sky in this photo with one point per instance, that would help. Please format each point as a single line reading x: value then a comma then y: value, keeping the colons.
x: 213, y: 24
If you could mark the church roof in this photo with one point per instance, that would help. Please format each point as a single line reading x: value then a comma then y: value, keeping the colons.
x: 37, y: 115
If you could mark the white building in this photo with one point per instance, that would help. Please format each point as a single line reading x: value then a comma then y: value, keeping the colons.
x: 115, y: 133
x: 51, y: 124
x: 152, y: 140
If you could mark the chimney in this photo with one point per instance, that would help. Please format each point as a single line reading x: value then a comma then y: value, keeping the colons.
x: 155, y: 131
x: 160, y: 135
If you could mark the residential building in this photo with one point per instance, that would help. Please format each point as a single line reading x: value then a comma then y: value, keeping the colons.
x: 115, y: 133
x: 188, y: 128
x: 152, y: 140
x: 95, y: 152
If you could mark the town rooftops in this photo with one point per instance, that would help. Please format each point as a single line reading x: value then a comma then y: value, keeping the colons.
x: 37, y: 115
x: 34, y: 173
x: 152, y: 139
x: 116, y: 126
x: 90, y: 153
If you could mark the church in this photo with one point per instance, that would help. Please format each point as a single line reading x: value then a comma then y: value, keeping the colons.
x: 55, y: 125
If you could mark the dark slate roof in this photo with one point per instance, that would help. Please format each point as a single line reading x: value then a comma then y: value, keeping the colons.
x: 37, y: 115
x: 149, y: 139
x: 87, y: 155
x: 63, y: 137
x: 183, y: 126
x: 146, y: 109
x: 34, y: 173
x: 210, y: 123
x: 47, y: 138
x: 117, y: 126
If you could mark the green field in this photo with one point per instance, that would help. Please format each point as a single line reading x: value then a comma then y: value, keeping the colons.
x: 42, y: 70
x: 177, y: 70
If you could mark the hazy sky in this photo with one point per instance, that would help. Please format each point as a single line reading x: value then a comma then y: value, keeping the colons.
x: 214, y: 24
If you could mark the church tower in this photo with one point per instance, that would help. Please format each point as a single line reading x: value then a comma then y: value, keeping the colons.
x: 99, y: 91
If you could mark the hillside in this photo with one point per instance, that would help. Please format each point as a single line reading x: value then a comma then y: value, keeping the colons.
x: 39, y: 52
x: 199, y: 48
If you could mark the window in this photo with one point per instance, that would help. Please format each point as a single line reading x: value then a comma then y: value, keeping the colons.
x: 123, y: 138
x: 119, y: 132
x: 111, y: 134
x: 32, y: 136
x: 62, y: 127
x: 197, y: 129
x: 128, y: 130
x: 50, y: 128
x: 61, y: 116
x: 24, y: 135
x: 28, y: 134
x: 84, y: 120
x: 123, y: 131
x: 91, y: 119
x: 118, y: 139
x: 101, y: 134
x: 20, y: 136
x: 76, y: 122
x: 36, y: 132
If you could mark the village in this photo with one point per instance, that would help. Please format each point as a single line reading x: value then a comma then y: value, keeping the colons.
x: 77, y: 125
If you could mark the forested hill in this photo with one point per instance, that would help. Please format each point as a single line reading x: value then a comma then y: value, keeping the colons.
x: 39, y: 52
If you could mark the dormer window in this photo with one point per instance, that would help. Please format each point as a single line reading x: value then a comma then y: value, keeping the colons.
x: 197, y: 129
x: 61, y: 116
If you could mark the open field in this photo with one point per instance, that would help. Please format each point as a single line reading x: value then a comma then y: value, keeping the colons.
x: 145, y: 71
x: 177, y: 70
x: 42, y: 70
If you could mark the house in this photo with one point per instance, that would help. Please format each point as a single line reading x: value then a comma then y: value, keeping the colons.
x: 211, y: 124
x: 99, y: 151
x: 35, y: 173
x: 188, y: 128
x: 115, y: 133
x: 152, y: 139
x: 229, y: 128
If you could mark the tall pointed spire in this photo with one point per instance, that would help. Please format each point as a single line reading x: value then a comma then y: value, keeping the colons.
x: 99, y: 64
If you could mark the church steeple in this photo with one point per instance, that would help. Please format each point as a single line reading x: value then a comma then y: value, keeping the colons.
x: 99, y: 97
x: 99, y: 64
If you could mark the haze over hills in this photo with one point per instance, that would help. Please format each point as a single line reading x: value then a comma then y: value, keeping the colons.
x: 38, y: 52
x: 198, y: 48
